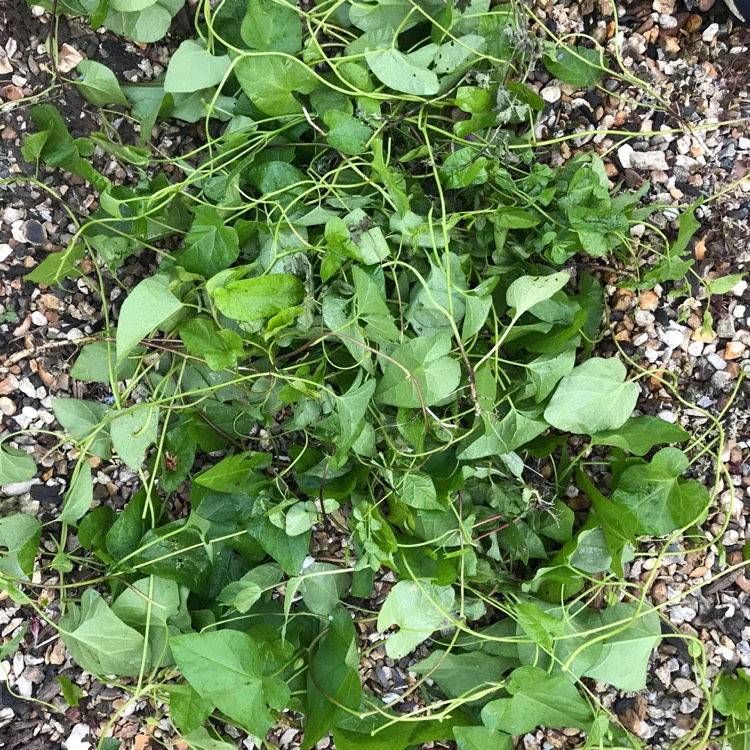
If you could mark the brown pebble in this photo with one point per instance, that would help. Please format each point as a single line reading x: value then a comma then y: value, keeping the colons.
x: 9, y: 385
x: 622, y: 300
x: 700, y: 249
x: 648, y: 300
x: 57, y: 655
x: 733, y: 370
x: 12, y: 93
x: 693, y: 23
x: 743, y: 583
x: 7, y: 407
x: 698, y: 572
x: 48, y: 302
x: 8, y: 134
x: 659, y: 592
x: 734, y: 350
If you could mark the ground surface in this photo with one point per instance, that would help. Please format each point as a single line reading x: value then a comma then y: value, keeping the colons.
x: 695, y: 58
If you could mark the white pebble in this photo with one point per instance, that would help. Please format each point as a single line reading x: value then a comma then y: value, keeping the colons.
x: 668, y: 416
x: 644, y: 318
x: 673, y: 338
x: 739, y: 311
x: 739, y: 288
x: 80, y: 738
x: 551, y: 94
x: 716, y: 361
x: 667, y: 22
x: 623, y: 154
x: 649, y: 160
x: 710, y: 33
x: 695, y: 348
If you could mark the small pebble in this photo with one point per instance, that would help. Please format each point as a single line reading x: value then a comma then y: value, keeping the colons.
x: 710, y: 33
x: 34, y: 232
x: 551, y: 94
x: 648, y: 161
x: 644, y: 318
x: 7, y: 406
x: 716, y: 361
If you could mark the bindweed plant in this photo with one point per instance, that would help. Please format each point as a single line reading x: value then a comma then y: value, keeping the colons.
x: 374, y: 317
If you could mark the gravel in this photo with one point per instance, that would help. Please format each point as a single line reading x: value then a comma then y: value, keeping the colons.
x: 696, y: 60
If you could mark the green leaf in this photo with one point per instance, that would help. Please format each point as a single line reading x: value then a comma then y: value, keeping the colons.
x: 346, y: 133
x: 351, y: 408
x: 157, y: 608
x: 481, y: 738
x: 732, y: 698
x: 397, y: 71
x: 417, y: 490
x: 725, y: 283
x: 57, y: 267
x: 99, y: 641
x: 147, y: 25
x: 192, y: 67
x: 288, y: 551
x: 260, y: 297
x: 188, y: 710
x: 72, y: 694
x: 627, y: 633
x: 126, y: 533
x: 133, y: 432
x: 538, y: 698
x: 93, y: 528
x: 463, y: 168
x: 527, y: 291
x: 539, y: 625
x: 243, y: 594
x: 84, y: 421
x: 498, y: 436
x: 658, y: 498
x: 225, y: 668
x: 270, y: 82
x: 461, y: 675
x: 176, y: 553
x: 221, y: 348
x: 640, y: 434
x: 565, y: 63
x: 272, y: 25
x: 333, y: 683
x: 546, y: 371
x: 354, y: 733
x: 95, y: 360
x: 595, y: 397
x: 129, y: 6
x: 79, y: 497
x: 210, y: 245
x: 322, y: 587
x: 235, y: 473
x: 147, y: 103
x: 147, y: 307
x: 15, y: 465
x: 418, y: 608
x: 99, y: 84
x: 423, y: 369
x: 54, y: 145
x: 200, y: 739
x: 372, y: 308
x: 19, y: 535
